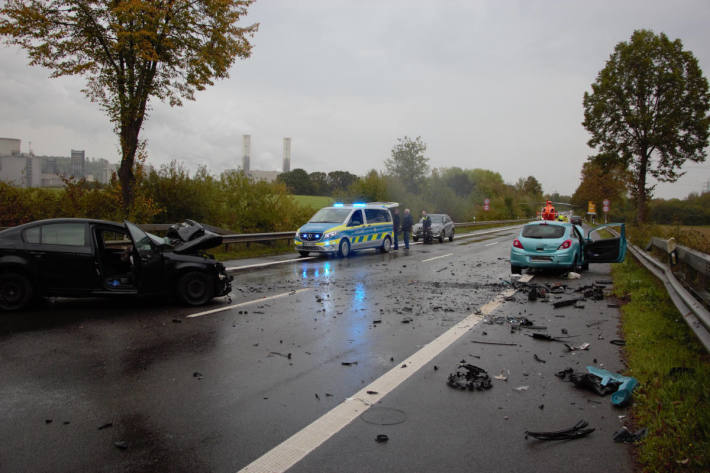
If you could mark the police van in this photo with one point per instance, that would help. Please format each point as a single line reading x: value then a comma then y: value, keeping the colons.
x: 345, y: 228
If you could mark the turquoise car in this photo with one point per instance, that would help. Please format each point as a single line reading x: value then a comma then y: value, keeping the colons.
x: 343, y: 229
x: 559, y: 245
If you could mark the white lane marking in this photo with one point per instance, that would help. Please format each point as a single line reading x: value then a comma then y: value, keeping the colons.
x: 260, y: 265
x: 491, y: 244
x: 295, y: 448
x: 436, y: 257
x: 242, y: 304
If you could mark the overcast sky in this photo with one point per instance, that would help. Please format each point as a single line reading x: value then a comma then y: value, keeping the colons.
x: 487, y: 84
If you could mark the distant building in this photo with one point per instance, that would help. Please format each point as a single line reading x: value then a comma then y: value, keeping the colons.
x: 9, y: 147
x: 268, y: 176
x: 78, y: 163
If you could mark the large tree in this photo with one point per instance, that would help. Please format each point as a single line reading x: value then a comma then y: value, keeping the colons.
x: 649, y: 110
x: 408, y: 162
x: 130, y: 51
x: 601, y: 182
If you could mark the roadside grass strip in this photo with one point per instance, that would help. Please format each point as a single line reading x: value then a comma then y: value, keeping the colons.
x: 673, y: 369
x: 298, y: 446
x: 242, y: 304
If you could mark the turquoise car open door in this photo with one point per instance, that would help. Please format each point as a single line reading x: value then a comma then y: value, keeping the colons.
x: 607, y: 250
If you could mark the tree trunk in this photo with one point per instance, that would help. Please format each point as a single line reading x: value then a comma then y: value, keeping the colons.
x: 129, y: 146
x: 641, y: 187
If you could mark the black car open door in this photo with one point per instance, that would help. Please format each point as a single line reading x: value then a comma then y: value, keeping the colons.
x: 147, y: 261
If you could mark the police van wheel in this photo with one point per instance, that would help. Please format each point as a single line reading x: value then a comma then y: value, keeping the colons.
x: 344, y: 248
x: 386, y: 245
x: 303, y: 253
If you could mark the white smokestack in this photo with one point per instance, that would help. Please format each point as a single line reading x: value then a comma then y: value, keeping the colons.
x: 246, y: 153
x: 287, y: 155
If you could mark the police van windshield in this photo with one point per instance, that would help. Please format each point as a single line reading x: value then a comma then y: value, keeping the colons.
x: 330, y: 215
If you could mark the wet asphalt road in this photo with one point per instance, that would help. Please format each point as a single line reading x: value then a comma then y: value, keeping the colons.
x: 116, y: 385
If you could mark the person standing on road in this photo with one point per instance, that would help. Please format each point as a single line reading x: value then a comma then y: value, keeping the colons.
x: 407, y: 224
x: 395, y: 227
x: 426, y: 228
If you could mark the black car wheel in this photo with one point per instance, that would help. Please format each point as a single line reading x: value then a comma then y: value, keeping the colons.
x: 344, y: 248
x: 15, y: 291
x: 515, y: 269
x: 195, y: 288
x: 451, y: 237
x: 441, y: 236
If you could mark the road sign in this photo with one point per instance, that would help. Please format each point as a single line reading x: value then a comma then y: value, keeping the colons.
x: 591, y: 208
x: 605, y: 208
x: 485, y: 206
x: 605, y: 202
x: 486, y: 201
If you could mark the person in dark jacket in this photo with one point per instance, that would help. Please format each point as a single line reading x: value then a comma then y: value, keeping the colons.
x: 426, y: 228
x: 395, y: 226
x: 407, y: 224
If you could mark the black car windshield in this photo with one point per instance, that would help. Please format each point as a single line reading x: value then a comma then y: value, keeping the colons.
x: 330, y: 215
x: 543, y: 231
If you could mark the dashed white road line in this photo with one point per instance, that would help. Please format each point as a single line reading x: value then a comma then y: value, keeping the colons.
x: 242, y: 304
x: 491, y: 244
x: 294, y: 449
x: 436, y: 257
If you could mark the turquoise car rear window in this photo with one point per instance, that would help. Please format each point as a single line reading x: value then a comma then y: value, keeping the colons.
x: 543, y: 231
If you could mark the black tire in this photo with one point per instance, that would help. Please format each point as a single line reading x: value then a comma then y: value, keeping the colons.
x: 386, y: 245
x: 441, y: 236
x: 516, y: 269
x: 585, y: 266
x: 195, y: 288
x: 303, y: 253
x: 15, y: 291
x: 344, y: 248
x: 451, y: 237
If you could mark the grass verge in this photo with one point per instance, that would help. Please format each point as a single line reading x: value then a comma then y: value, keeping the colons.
x: 675, y: 408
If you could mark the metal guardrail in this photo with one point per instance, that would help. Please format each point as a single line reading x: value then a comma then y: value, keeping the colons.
x: 691, y: 266
x: 694, y: 313
x: 490, y: 222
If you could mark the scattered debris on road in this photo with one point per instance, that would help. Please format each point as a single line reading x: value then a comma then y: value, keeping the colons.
x: 583, y: 346
x: 381, y: 438
x: 565, y: 303
x: 624, y: 435
x: 106, y: 425
x: 469, y: 377
x: 348, y: 363
x: 120, y: 444
x: 579, y: 430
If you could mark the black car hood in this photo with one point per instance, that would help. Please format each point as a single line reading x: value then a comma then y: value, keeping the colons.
x: 191, y: 237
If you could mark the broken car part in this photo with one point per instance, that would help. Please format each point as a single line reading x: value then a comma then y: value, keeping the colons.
x: 469, y: 377
x: 579, y: 430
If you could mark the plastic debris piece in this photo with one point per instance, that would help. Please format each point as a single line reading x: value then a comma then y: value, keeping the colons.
x: 618, y: 342
x: 348, y: 363
x: 120, y: 444
x: 372, y: 392
x: 501, y: 376
x: 522, y: 388
x: 626, y: 384
x: 106, y: 425
x: 381, y: 438
x: 624, y: 435
x: 197, y: 375
x: 564, y: 303
x: 537, y: 358
x: 469, y: 377
x: 583, y: 346
x: 573, y: 275
x: 579, y: 430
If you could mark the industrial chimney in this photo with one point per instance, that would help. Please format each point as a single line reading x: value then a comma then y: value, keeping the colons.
x: 246, y: 153
x: 287, y: 155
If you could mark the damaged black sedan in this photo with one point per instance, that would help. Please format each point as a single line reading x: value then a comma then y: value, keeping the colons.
x: 84, y: 257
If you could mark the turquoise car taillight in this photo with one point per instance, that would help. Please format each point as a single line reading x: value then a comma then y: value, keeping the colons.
x: 565, y: 244
x: 517, y: 244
